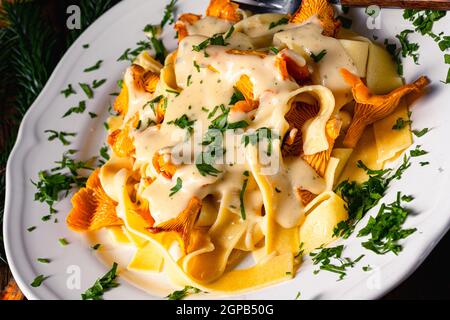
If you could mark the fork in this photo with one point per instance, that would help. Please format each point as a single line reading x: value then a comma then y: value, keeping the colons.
x: 289, y: 6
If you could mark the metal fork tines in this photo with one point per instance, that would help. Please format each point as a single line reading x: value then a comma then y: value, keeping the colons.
x: 264, y: 6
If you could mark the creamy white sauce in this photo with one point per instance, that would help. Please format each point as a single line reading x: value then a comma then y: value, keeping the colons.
x: 212, y: 85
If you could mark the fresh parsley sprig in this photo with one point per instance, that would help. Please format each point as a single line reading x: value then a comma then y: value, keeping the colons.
x: 105, y: 283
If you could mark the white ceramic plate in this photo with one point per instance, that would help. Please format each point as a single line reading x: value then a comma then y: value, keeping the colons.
x: 108, y: 37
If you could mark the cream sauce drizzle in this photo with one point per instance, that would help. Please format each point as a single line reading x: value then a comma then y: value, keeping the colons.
x: 208, y: 89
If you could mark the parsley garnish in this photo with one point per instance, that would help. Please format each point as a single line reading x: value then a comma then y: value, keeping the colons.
x: 196, y: 66
x: 96, y: 66
x: 280, y: 22
x: 176, y: 93
x: 59, y: 180
x: 417, y: 152
x: 229, y: 32
x: 43, y: 260
x: 447, y: 79
x: 96, y: 246
x: 86, y: 45
x: 400, y: 124
x: 215, y: 40
x: 386, y: 228
x: 420, y: 133
x: 63, y: 242
x: 324, y: 257
x: 367, y: 268
x: 177, y: 187
x: 298, y: 295
x: 183, y: 122
x: 98, y: 83
x: 31, y: 229
x: 274, y: 50
x: 38, y: 281
x: 180, y: 294
x: 46, y: 218
x: 423, y: 20
x: 108, y: 281
x: 78, y: 109
x: 425, y: 163
x: 319, y: 56
x: 408, y: 48
x: 361, y: 197
x: 104, y: 152
x: 158, y: 45
x: 168, y: 14
x: 204, y: 165
x: 93, y: 115
x: 188, y: 81
x: 87, y: 90
x: 237, y: 96
x: 241, y: 195
x: 61, y: 136
x: 68, y: 91
x: 257, y: 136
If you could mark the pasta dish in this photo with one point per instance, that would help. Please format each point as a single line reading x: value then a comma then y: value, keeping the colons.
x: 235, y: 145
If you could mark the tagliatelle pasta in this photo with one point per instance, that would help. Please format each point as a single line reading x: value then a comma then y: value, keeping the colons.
x: 233, y: 147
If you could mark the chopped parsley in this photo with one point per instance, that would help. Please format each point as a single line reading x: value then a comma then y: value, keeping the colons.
x: 93, y: 115
x: 401, y: 123
x: 386, y: 228
x: 241, y: 195
x: 98, y: 83
x: 420, y: 133
x: 447, y: 79
x: 319, y: 56
x: 425, y: 163
x: 361, y: 197
x: 298, y: 295
x: 63, y: 242
x: 447, y: 58
x: 180, y: 294
x: 237, y: 96
x: 46, y: 218
x: 183, y: 122
x: 367, y: 268
x: 59, y: 180
x: 189, y: 80
x: 176, y: 93
x: 258, y: 136
x: 204, y: 165
x: 408, y: 49
x: 86, y: 45
x: 325, y: 256
x: 104, y: 152
x: 280, y: 22
x: 61, y: 136
x: 215, y: 40
x: 38, y: 281
x: 168, y: 16
x: 177, y: 187
x: 196, y: 66
x: 43, y: 260
x: 87, y: 90
x: 78, y: 109
x: 68, y: 91
x: 31, y: 229
x: 105, y: 283
x: 417, y: 152
x: 392, y: 49
x: 274, y: 50
x: 157, y: 43
x: 96, y: 246
x: 423, y: 20
x: 96, y: 66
